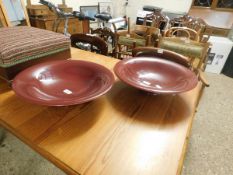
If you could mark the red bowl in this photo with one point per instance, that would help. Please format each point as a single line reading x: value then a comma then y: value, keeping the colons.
x: 156, y: 75
x: 63, y: 83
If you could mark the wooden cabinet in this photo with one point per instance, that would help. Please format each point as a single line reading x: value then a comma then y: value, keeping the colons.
x: 39, y: 10
x: 74, y: 24
x: 42, y: 17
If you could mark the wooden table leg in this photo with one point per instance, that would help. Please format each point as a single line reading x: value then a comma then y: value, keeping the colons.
x: 2, y: 134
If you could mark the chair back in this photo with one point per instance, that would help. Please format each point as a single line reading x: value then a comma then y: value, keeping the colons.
x: 161, y: 53
x: 126, y: 42
x: 147, y: 31
x: 182, y: 32
x: 90, y: 43
x: 159, y: 20
x: 195, y: 51
x: 200, y: 26
x: 108, y: 36
x: 197, y: 24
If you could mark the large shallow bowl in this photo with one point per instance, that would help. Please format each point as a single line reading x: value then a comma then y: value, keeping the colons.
x: 156, y: 75
x: 62, y: 83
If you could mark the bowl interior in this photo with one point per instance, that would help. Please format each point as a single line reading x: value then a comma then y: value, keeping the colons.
x: 62, y: 82
x: 156, y: 75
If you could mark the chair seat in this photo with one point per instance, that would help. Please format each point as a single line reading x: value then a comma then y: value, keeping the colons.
x: 22, y: 44
x: 183, y: 46
x: 127, y: 41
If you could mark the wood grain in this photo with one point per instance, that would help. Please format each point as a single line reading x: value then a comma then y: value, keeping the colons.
x: 126, y: 131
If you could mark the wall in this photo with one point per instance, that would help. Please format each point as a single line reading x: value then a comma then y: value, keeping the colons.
x: 178, y: 6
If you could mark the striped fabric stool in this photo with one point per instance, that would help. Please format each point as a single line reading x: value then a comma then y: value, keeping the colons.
x: 21, y: 47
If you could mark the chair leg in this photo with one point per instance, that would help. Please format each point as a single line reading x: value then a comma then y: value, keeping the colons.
x: 119, y: 51
x: 2, y: 134
x: 202, y: 78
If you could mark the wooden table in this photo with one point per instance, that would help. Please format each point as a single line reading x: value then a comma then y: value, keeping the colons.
x: 215, y: 18
x: 220, y: 22
x: 126, y: 131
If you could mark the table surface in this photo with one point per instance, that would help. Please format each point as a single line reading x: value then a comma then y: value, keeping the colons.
x: 214, y: 18
x: 126, y: 131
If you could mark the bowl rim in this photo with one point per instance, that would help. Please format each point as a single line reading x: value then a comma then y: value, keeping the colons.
x: 149, y: 89
x: 64, y: 102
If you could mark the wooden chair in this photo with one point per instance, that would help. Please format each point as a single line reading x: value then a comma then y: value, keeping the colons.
x: 180, y: 21
x: 195, y: 51
x: 89, y: 43
x: 147, y: 31
x: 109, y: 37
x: 161, y: 53
x: 127, y: 40
x: 197, y: 24
x: 184, y: 32
x: 158, y: 20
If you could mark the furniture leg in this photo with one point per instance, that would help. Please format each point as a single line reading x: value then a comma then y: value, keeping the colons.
x: 2, y: 134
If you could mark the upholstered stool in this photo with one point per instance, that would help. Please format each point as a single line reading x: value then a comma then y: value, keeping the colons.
x: 21, y: 47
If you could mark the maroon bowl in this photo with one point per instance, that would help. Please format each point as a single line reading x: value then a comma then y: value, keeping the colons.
x: 156, y: 75
x: 63, y: 83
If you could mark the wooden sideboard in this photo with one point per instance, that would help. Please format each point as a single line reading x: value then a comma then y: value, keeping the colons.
x: 74, y: 24
x: 42, y: 17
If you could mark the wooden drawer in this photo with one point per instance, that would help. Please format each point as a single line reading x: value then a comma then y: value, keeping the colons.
x: 38, y: 12
x: 74, y: 26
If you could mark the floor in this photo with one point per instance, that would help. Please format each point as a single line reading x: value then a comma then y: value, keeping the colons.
x: 210, y: 150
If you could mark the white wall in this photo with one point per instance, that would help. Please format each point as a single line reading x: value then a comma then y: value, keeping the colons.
x: 178, y: 6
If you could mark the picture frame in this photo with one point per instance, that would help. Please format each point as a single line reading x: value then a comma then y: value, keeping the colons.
x: 106, y: 7
x: 90, y: 11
